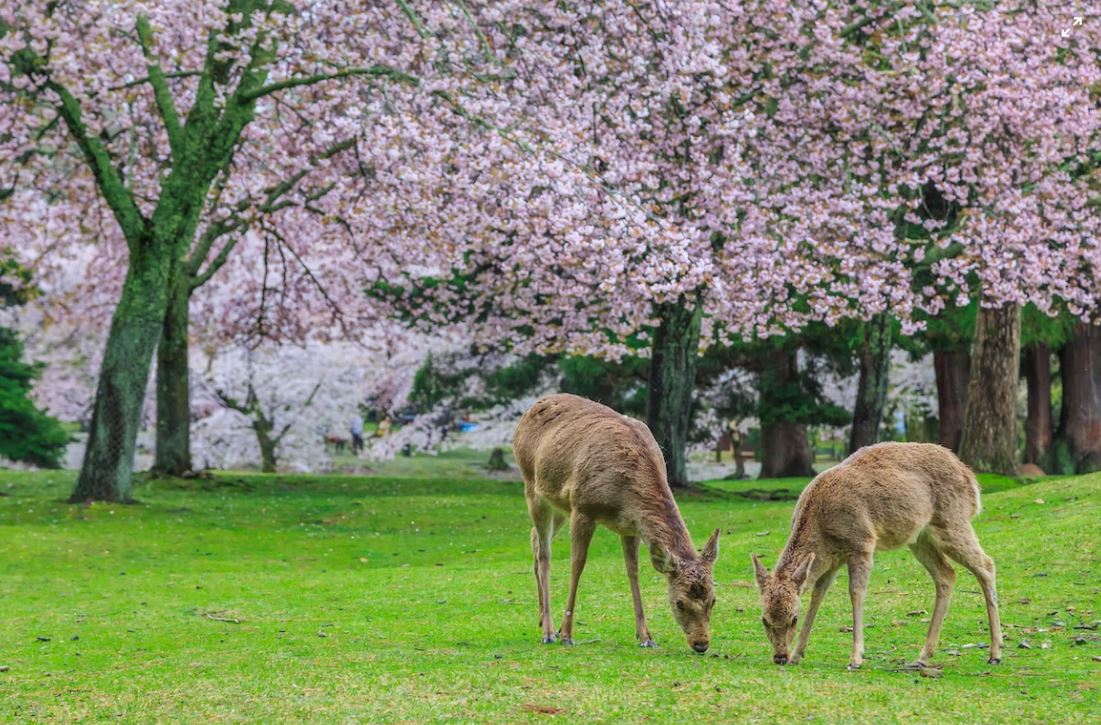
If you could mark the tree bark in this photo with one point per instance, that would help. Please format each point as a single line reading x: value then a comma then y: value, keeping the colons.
x: 871, y: 388
x: 672, y: 381
x: 267, y: 445
x: 106, y: 474
x: 989, y: 438
x: 952, y: 368
x: 173, y: 457
x: 497, y: 460
x: 1078, y: 443
x: 739, y: 459
x: 784, y: 447
x: 1038, y: 426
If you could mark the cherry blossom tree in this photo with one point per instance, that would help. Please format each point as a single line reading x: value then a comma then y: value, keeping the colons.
x: 172, y: 129
x: 601, y: 177
x: 785, y: 163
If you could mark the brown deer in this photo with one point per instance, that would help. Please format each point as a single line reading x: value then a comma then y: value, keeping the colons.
x: 882, y: 497
x: 584, y: 459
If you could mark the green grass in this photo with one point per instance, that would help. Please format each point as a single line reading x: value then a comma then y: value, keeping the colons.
x: 409, y: 597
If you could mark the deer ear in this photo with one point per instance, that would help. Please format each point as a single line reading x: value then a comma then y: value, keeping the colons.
x: 760, y: 571
x: 663, y: 560
x: 710, y: 551
x: 799, y: 576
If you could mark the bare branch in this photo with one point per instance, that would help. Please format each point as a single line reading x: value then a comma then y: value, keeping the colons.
x: 375, y: 71
x: 107, y: 177
x: 415, y: 19
x: 234, y: 223
x: 146, y: 79
x: 201, y: 278
x: 161, y: 93
x: 487, y: 49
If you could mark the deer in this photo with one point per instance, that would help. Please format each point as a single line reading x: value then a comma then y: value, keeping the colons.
x: 581, y: 459
x: 882, y: 497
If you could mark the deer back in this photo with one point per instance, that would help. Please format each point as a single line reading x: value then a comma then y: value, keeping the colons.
x: 888, y: 492
x: 580, y: 454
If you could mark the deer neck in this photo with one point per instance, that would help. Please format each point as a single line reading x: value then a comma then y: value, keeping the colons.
x: 660, y: 524
x: 801, y: 544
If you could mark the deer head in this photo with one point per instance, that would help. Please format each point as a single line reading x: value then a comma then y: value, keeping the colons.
x: 780, y: 604
x: 691, y: 590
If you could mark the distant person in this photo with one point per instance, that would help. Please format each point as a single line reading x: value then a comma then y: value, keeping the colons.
x: 384, y: 426
x: 356, y: 429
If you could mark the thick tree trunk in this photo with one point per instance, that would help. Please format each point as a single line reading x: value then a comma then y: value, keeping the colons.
x: 871, y: 389
x: 1078, y: 443
x: 952, y: 368
x: 989, y: 439
x: 1036, y: 360
x: 672, y: 381
x: 784, y: 447
x: 106, y: 474
x: 174, y: 385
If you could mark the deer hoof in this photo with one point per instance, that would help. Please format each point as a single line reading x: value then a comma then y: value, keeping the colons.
x: 994, y: 661
x: 549, y: 639
x: 567, y: 641
x: 648, y: 643
x: 854, y: 666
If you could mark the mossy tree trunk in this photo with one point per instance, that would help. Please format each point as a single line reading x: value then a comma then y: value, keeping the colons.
x: 173, y: 456
x: 268, y: 443
x: 1036, y: 361
x: 123, y: 379
x: 1077, y: 446
x: 989, y: 438
x: 785, y: 450
x: 952, y: 368
x: 871, y: 389
x: 201, y: 145
x: 672, y: 381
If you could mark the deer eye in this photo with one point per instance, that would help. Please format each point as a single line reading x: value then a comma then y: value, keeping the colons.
x: 764, y: 621
x: 680, y: 604
x: 794, y: 620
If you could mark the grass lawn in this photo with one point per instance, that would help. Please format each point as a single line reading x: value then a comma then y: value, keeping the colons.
x: 408, y: 596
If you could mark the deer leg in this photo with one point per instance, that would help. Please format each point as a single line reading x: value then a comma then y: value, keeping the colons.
x: 581, y: 533
x: 542, y: 516
x: 821, y: 586
x: 926, y: 551
x: 860, y: 569
x: 630, y: 559
x: 964, y: 547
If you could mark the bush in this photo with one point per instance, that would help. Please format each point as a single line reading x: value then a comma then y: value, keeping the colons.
x: 26, y: 433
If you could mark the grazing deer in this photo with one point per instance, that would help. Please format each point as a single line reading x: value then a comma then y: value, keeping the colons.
x: 882, y: 497
x: 585, y: 459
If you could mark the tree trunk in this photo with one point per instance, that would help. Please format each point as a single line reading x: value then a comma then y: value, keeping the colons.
x: 784, y: 447
x: 989, y: 439
x: 174, y: 385
x: 497, y: 460
x: 672, y: 381
x: 1078, y: 443
x: 267, y: 446
x: 952, y: 368
x: 1038, y: 425
x: 871, y: 389
x: 739, y: 459
x: 106, y: 474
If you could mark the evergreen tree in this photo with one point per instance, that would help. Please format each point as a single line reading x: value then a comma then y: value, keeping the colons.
x: 26, y: 433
